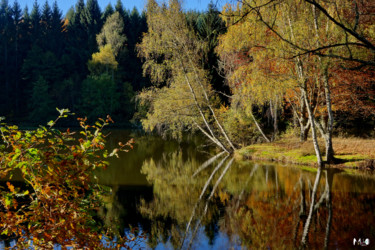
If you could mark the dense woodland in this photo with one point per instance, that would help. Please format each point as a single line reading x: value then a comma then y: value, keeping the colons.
x: 45, y: 57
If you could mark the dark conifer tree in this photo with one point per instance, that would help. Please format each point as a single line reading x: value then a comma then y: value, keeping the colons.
x: 107, y: 12
x: 79, y: 13
x: 35, y: 17
x: 46, y: 20
x: 120, y: 8
x: 124, y: 14
x: 93, y: 22
x: 6, y: 23
x: 17, y: 55
x: 57, y: 38
x: 209, y: 26
x: 77, y: 47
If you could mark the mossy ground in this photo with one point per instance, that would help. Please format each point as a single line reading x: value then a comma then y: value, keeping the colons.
x: 349, y: 152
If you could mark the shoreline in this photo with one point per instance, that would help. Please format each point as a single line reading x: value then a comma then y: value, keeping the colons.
x: 351, y: 153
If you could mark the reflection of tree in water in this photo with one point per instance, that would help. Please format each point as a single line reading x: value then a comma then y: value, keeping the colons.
x: 120, y: 208
x: 175, y: 194
x: 262, y: 206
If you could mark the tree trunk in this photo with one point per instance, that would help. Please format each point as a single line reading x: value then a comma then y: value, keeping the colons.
x: 328, y: 140
x: 259, y: 128
x: 313, y: 128
x: 212, y: 136
x: 273, y: 109
x: 231, y: 148
x: 222, y: 130
x: 327, y: 132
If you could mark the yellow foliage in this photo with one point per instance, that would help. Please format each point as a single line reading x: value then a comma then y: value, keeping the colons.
x: 105, y: 57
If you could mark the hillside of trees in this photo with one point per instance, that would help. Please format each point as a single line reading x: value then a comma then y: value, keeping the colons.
x: 45, y: 61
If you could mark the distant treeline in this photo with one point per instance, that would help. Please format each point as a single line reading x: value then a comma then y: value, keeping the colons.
x: 44, y: 62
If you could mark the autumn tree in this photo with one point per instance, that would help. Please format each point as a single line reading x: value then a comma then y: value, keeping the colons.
x: 111, y: 33
x: 254, y: 68
x: 184, y: 98
x: 310, y: 37
x: 58, y: 170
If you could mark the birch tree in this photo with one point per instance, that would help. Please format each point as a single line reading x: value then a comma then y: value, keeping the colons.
x: 182, y: 97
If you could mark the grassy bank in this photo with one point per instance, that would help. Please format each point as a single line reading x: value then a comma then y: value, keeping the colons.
x: 350, y: 152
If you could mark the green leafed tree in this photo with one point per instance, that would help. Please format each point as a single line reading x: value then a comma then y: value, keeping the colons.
x: 40, y: 101
x: 111, y: 33
x: 184, y: 98
x: 103, y: 61
x: 99, y: 96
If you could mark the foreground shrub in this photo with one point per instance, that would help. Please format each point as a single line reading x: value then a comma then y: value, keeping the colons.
x: 60, y: 198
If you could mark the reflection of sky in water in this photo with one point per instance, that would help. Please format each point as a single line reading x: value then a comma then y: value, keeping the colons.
x: 271, y: 194
x: 201, y: 242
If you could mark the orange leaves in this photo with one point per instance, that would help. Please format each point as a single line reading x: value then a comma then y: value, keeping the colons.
x: 10, y: 186
x: 60, y: 200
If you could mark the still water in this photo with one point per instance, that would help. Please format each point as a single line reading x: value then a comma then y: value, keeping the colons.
x: 181, y: 195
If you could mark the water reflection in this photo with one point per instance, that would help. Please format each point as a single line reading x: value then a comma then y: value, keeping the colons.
x: 255, y: 206
x: 184, y: 197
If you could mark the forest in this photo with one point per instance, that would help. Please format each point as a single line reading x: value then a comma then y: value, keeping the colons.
x: 49, y: 60
x: 240, y: 75
x: 274, y: 73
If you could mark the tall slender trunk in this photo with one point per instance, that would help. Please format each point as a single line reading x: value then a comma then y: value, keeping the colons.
x: 212, y: 136
x: 304, y: 122
x: 259, y: 128
x: 273, y: 109
x: 198, y: 80
x: 313, y: 128
x: 310, y: 113
x: 327, y: 132
x: 302, y: 118
x: 329, y: 129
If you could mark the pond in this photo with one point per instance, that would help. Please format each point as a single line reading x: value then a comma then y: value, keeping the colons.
x: 181, y: 195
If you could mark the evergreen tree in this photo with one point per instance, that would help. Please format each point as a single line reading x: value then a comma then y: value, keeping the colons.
x: 99, y: 96
x: 79, y: 13
x: 134, y: 27
x: 17, y: 58
x: 93, y: 15
x: 6, y: 23
x: 209, y: 26
x: 35, y: 17
x: 120, y: 8
x: 77, y: 42
x: 46, y: 15
x: 107, y: 12
x: 46, y: 19
x: 57, y: 38
x: 40, y: 101
x: 93, y: 23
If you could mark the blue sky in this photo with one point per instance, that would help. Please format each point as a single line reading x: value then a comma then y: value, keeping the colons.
x: 128, y: 4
